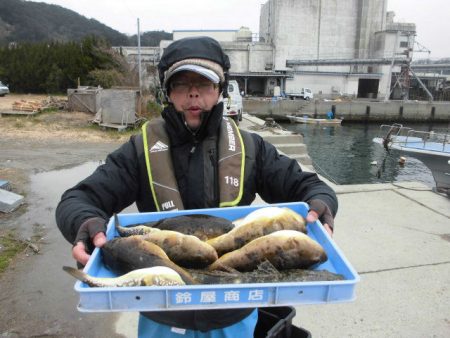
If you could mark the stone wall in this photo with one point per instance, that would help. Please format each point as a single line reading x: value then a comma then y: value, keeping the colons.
x: 353, y: 110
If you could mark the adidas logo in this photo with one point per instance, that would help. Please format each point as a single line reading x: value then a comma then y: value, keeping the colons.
x: 158, y: 146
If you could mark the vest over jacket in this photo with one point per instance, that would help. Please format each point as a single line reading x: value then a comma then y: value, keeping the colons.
x: 223, y: 169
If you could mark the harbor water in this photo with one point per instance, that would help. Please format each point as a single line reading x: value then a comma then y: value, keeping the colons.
x: 346, y: 154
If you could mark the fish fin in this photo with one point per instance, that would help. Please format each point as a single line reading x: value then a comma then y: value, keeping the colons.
x: 78, y: 274
x: 218, y: 265
x: 116, y: 221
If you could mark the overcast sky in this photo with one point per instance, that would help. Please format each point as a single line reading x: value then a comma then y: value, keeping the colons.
x: 431, y: 16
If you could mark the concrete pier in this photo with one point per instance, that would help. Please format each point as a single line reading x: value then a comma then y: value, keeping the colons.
x: 287, y: 142
x: 398, y: 239
x: 353, y: 110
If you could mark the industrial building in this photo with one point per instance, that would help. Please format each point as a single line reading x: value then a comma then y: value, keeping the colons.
x: 348, y: 48
x: 334, y: 47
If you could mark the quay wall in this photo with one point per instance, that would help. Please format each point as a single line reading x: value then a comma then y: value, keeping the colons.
x: 355, y: 110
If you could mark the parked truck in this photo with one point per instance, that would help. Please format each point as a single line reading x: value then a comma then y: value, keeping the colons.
x: 233, y: 106
x: 304, y: 94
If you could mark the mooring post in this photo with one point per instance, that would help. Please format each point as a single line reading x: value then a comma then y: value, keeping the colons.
x: 367, y: 113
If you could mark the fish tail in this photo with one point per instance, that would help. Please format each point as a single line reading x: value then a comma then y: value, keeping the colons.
x: 117, y: 223
x: 78, y: 274
x: 185, y: 275
x: 189, y: 280
x: 116, y: 220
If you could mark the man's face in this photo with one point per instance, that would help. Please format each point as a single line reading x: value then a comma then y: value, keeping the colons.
x: 192, y: 94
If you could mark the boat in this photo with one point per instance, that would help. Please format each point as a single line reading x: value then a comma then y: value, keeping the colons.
x: 310, y: 120
x: 430, y: 147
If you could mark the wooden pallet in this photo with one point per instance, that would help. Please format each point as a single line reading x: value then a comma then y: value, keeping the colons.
x: 27, y: 106
x: 119, y: 127
x: 18, y: 112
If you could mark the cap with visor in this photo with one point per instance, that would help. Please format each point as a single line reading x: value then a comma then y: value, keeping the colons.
x: 202, y: 55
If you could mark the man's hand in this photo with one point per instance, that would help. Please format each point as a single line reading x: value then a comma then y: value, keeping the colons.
x: 319, y: 210
x: 90, y: 235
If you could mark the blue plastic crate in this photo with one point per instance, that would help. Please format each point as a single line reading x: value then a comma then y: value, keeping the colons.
x: 162, y: 298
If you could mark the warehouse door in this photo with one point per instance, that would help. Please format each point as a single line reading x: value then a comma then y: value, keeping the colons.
x: 368, y: 88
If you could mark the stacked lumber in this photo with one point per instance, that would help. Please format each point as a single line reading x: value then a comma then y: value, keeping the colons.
x: 35, y: 106
x: 29, y: 106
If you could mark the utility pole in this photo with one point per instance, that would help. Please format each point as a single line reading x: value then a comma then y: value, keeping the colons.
x: 389, y: 82
x: 139, y: 57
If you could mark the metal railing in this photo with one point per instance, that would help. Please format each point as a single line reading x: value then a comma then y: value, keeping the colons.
x: 405, y: 136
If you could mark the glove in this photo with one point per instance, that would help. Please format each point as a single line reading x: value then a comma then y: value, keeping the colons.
x: 87, y: 232
x: 323, y: 212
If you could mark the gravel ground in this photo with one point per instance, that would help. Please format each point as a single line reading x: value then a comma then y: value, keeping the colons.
x: 41, y: 156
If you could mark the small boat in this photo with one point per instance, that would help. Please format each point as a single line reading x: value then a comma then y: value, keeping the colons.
x: 431, y: 148
x: 311, y: 120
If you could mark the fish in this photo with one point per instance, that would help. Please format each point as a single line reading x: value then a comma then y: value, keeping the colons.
x: 124, y: 254
x: 284, y: 249
x: 264, y: 273
x: 154, y: 276
x: 258, y: 223
x: 185, y: 250
x: 199, y: 225
x: 132, y: 230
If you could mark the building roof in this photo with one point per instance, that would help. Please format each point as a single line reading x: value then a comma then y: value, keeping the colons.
x: 205, y: 30
x: 261, y: 74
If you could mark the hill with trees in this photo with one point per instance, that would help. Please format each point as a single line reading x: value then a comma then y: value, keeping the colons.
x: 53, y: 67
x: 151, y: 38
x: 47, y: 49
x: 27, y: 21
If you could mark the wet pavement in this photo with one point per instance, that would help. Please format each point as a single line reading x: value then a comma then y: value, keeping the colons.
x: 398, y: 239
x: 38, y: 299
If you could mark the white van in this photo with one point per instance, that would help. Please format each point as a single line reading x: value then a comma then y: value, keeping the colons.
x: 233, y: 107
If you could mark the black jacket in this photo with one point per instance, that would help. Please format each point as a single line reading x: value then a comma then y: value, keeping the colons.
x: 123, y: 180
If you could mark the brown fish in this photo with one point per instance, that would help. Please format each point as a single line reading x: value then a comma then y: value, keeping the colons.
x: 124, y: 254
x: 258, y: 223
x: 154, y: 276
x: 185, y: 250
x: 284, y: 249
x: 198, y: 225
x: 264, y: 273
x: 132, y: 230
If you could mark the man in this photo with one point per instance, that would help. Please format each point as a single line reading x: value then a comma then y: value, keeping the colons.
x: 191, y: 159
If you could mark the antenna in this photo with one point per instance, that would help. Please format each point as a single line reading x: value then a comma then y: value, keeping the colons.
x: 421, y: 48
x: 403, y: 80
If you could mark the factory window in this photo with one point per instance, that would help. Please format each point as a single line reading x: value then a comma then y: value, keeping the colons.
x: 404, y: 44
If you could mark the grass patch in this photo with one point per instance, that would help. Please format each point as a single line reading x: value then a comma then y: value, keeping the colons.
x: 154, y: 108
x: 19, y: 124
x: 112, y: 133
x: 9, y: 248
x: 50, y: 110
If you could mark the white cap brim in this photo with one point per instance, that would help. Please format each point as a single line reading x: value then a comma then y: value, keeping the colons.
x: 208, y: 73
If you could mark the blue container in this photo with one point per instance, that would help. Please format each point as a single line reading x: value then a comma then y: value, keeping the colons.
x: 189, y: 297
